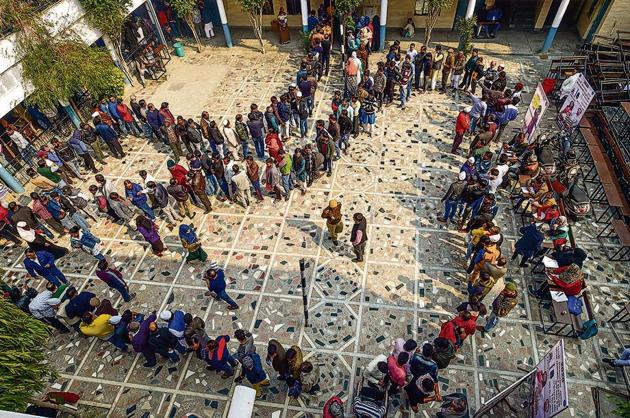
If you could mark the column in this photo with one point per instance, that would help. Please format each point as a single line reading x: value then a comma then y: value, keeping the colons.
x: 383, y: 17
x: 554, y: 26
x: 71, y: 113
x: 542, y: 10
x: 10, y: 181
x: 226, y: 28
x: 304, y: 8
x: 154, y: 20
x: 470, y: 10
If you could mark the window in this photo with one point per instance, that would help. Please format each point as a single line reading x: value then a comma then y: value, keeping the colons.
x: 293, y: 7
x: 422, y: 8
x: 267, y: 8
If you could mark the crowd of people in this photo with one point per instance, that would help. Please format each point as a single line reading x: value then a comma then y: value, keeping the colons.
x: 249, y: 157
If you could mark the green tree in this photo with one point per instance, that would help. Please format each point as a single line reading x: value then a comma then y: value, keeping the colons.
x: 435, y: 9
x: 254, y: 11
x: 465, y: 28
x: 343, y: 8
x: 56, y: 68
x: 24, y: 366
x: 109, y: 16
x: 185, y: 9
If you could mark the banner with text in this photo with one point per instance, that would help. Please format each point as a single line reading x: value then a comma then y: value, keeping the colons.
x: 549, y: 384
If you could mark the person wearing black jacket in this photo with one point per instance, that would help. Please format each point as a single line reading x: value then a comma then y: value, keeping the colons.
x: 419, y: 64
x: 163, y: 342
x: 217, y: 143
x: 324, y: 57
x: 182, y: 132
x: 358, y: 237
x: 453, y: 198
x: 335, y: 133
x: 345, y: 129
x: 160, y: 203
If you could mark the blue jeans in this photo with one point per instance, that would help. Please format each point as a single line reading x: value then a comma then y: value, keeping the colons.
x: 144, y: 207
x: 118, y: 342
x: 450, y: 207
x: 45, y: 230
x: 212, y: 185
x: 227, y: 367
x: 224, y: 186
x: 303, y: 127
x: 122, y: 290
x: 78, y: 219
x: 287, y: 183
x: 328, y: 164
x: 226, y: 298
x: 131, y: 127
x: 309, y: 104
x: 403, y: 96
x: 214, y: 148
x: 491, y: 322
x: 259, y: 144
x: 122, y: 127
x: 473, y: 124
x: 245, y: 149
x: 55, y: 276
x: 257, y: 189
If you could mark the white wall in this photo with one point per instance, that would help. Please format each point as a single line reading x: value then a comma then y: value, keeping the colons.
x: 61, y: 16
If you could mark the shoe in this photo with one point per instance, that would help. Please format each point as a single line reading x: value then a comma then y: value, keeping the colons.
x: 335, y: 242
x: 328, y: 174
x: 232, y: 308
x: 191, y: 216
x: 148, y: 365
x: 608, y: 361
x: 441, y: 219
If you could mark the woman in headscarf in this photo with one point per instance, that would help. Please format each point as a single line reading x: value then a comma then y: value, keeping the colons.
x: 150, y: 233
x: 559, y: 231
x: 191, y: 243
x: 376, y: 32
x: 359, y: 237
x: 36, y: 242
x: 363, y: 54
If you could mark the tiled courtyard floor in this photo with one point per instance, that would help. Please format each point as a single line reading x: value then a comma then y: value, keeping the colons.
x: 411, y: 281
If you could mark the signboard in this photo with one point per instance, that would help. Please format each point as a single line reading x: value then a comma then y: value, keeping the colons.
x: 535, y: 112
x: 576, y: 103
x: 549, y: 384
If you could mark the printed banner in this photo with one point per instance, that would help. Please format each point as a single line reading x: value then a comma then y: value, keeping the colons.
x: 535, y: 112
x: 576, y: 103
x: 549, y: 384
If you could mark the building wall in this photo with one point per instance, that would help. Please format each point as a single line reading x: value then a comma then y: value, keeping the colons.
x: 397, y: 13
x: 616, y: 18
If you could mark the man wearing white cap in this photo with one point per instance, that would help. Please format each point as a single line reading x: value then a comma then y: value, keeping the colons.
x: 461, y: 126
x: 177, y: 326
x: 43, y: 307
x: 452, y: 198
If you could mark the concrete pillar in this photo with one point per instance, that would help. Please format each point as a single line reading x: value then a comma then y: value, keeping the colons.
x: 554, y: 26
x: 10, y: 181
x: 542, y: 10
x: 226, y: 28
x: 304, y: 8
x: 155, y: 21
x: 383, y: 17
x: 470, y: 10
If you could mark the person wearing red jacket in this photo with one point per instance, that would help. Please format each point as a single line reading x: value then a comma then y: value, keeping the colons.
x: 7, y: 231
x: 127, y: 118
x: 461, y: 126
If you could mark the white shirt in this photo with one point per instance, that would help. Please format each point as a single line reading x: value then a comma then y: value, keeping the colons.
x: 241, y: 180
x: 19, y: 140
x: 412, y: 53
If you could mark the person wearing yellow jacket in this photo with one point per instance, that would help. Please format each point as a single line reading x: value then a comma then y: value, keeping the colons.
x: 103, y: 327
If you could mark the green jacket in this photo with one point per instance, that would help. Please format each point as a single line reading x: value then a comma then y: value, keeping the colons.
x: 49, y: 174
x: 286, y: 165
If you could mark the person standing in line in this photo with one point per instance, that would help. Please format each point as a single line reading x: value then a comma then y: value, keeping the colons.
x: 231, y: 139
x: 242, y: 133
x: 198, y: 184
x: 43, y: 307
x: 285, y: 166
x: 160, y: 203
x: 240, y: 186
x: 82, y: 151
x: 254, y: 372
x: 449, y: 63
x: 139, y: 334
x: 110, y: 137
x: 458, y: 69
x: 41, y: 264
x: 461, y: 127
x: 438, y: 63
x: 272, y: 180
x: 358, y: 237
x: 452, y: 198
x: 40, y: 209
x: 169, y: 132
x: 470, y: 66
x: 501, y: 306
x: 253, y: 173
x: 19, y: 213
x: 191, y: 243
x: 257, y: 131
x: 215, y: 280
x: 149, y: 231
x: 299, y: 169
x: 325, y: 146
x: 113, y: 278
x: 334, y: 222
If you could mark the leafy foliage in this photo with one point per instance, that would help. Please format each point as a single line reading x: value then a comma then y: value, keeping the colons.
x: 24, y: 369
x: 58, y: 67
x: 434, y: 10
x: 107, y: 15
x: 254, y: 11
x: 185, y: 9
x: 345, y: 7
x: 466, y: 29
x: 623, y: 408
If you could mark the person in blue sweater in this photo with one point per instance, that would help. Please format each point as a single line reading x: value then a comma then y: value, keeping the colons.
x: 215, y: 280
x: 135, y: 193
x: 254, y: 372
x: 176, y: 326
x: 79, y: 304
x: 42, y: 264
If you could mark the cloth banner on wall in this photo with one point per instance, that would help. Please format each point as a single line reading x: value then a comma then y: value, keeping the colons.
x: 575, y: 104
x: 535, y: 112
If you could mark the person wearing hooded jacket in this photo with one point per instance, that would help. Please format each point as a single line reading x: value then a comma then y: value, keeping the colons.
x: 163, y: 342
x: 277, y: 359
x: 254, y: 372
x: 177, y: 326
